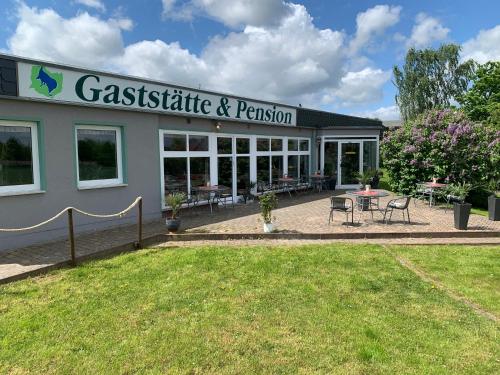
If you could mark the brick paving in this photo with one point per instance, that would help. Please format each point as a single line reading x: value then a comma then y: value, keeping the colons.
x: 303, y: 213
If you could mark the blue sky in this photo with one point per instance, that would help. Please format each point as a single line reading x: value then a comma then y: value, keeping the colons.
x: 334, y: 55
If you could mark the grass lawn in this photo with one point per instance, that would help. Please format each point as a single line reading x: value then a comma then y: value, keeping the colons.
x: 474, y: 272
x: 308, y: 309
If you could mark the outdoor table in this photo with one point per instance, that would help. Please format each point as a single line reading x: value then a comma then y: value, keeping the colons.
x: 209, y: 190
x: 318, y: 181
x: 433, y: 185
x: 367, y: 196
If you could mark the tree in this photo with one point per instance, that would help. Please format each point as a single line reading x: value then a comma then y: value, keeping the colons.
x: 482, y: 101
x: 441, y: 143
x: 431, y: 79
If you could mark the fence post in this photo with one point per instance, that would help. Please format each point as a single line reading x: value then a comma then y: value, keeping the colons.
x: 139, y: 224
x: 71, y: 237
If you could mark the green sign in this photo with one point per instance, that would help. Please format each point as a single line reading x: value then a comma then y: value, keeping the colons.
x: 46, y: 82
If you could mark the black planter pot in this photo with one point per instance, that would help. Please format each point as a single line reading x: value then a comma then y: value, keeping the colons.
x: 173, y: 225
x: 461, y: 212
x: 494, y: 208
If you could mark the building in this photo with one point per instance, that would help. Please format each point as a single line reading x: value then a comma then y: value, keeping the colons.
x: 95, y: 140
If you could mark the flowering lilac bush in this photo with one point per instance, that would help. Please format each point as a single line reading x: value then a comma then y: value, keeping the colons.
x: 442, y: 144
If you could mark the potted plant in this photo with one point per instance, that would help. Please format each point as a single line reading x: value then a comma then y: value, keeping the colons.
x: 364, y: 180
x: 494, y: 200
x: 375, y: 179
x: 268, y: 202
x: 461, y: 210
x: 174, y: 202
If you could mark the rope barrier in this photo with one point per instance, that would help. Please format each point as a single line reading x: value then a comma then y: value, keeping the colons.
x: 118, y: 214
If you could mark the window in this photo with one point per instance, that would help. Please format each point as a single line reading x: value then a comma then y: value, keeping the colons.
x: 293, y: 144
x: 198, y: 143
x: 224, y: 145
x: 304, y: 145
x: 276, y: 144
x: 242, y: 145
x: 262, y: 144
x: 19, y: 165
x: 369, y: 155
x: 99, y: 155
x: 174, y: 142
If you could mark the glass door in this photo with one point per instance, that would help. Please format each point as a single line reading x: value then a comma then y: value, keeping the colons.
x: 350, y: 162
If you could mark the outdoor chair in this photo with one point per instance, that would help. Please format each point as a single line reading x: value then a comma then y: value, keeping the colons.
x: 343, y: 205
x: 400, y: 203
x: 223, y: 198
x: 262, y: 186
x: 422, y: 192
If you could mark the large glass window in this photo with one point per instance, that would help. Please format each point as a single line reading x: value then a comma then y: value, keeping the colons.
x: 18, y: 157
x: 199, y: 169
x: 198, y: 143
x: 277, y: 167
x: 99, y: 156
x: 331, y: 158
x: 293, y: 166
x: 304, y: 145
x: 174, y: 142
x: 369, y: 155
x: 175, y: 175
x: 304, y: 167
x: 263, y: 169
x: 242, y: 172
x: 225, y: 168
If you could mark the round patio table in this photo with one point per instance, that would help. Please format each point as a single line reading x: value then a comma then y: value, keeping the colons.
x: 366, y: 198
x: 209, y: 190
x: 433, y: 185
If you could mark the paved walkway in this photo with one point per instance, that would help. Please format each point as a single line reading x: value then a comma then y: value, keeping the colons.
x: 306, y: 213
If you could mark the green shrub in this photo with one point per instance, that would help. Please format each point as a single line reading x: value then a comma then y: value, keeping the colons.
x: 442, y: 144
x: 268, y: 202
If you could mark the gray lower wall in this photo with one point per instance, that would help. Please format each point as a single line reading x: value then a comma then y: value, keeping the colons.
x: 142, y: 166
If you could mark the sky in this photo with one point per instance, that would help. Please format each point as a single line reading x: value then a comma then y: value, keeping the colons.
x: 332, y: 55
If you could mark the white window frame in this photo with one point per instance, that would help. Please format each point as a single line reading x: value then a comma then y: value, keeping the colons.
x: 90, y: 184
x: 210, y: 154
x: 35, y: 160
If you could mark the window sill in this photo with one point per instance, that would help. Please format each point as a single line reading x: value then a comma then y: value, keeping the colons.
x: 101, y: 186
x: 27, y: 192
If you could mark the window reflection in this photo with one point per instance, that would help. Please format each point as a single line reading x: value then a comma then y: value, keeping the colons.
x: 16, y: 164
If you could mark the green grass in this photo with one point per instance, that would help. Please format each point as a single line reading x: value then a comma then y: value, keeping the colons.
x: 310, y: 309
x: 479, y: 211
x: 474, y: 272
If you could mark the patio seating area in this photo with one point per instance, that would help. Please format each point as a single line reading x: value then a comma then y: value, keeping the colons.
x: 310, y: 213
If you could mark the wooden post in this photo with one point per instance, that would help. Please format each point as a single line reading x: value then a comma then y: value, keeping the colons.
x: 139, y: 224
x: 71, y: 237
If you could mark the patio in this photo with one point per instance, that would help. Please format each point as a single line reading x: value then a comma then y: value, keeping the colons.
x: 308, y: 213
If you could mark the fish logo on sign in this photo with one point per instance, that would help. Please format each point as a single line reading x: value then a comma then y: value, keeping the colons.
x: 45, y: 82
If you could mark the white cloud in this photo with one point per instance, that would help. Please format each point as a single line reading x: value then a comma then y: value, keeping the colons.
x: 364, y: 86
x: 81, y: 40
x: 162, y: 61
x: 96, y: 4
x: 383, y: 113
x: 233, y: 13
x: 373, y: 22
x: 292, y: 61
x: 426, y: 31
x: 484, y: 47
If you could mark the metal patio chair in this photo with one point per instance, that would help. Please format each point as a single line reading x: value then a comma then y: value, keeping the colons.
x: 400, y: 203
x: 341, y: 204
x: 422, y: 192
